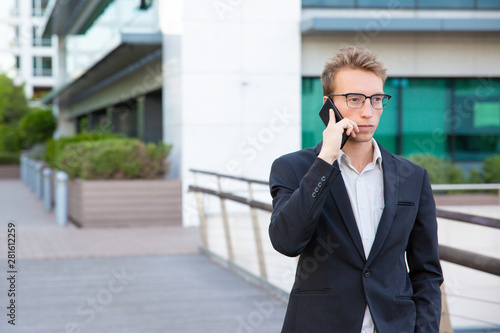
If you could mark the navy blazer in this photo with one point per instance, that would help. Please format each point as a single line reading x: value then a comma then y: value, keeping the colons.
x: 312, y: 217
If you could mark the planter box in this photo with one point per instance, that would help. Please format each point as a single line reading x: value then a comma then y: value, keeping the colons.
x: 110, y: 203
x: 10, y: 171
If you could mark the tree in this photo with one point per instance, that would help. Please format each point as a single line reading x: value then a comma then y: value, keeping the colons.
x: 37, y: 126
x: 13, y: 102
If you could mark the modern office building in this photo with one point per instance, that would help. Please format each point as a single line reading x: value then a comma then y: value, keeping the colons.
x: 25, y: 56
x: 234, y: 84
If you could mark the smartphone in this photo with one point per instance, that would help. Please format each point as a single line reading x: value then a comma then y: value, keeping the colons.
x: 324, y: 114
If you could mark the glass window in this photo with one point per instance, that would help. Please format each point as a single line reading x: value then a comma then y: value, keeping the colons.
x: 387, y: 3
x: 425, y: 105
x: 477, y: 118
x: 446, y: 4
x: 312, y: 101
x: 39, y: 7
x: 42, y: 66
x: 485, y: 4
x: 328, y: 3
x: 18, y: 62
x: 387, y: 130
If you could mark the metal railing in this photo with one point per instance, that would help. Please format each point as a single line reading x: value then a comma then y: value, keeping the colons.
x: 450, y: 254
x: 261, y: 276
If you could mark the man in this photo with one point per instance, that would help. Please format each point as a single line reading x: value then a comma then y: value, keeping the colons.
x: 362, y: 219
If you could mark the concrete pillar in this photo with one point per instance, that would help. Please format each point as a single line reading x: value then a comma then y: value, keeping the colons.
x: 231, y: 88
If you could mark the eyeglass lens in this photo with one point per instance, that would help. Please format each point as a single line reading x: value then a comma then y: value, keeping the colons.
x: 356, y: 101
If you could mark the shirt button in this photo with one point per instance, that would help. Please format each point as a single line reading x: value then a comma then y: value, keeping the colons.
x: 323, y: 178
x: 367, y: 237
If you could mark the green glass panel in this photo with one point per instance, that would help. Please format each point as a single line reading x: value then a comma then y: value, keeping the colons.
x: 477, y: 120
x: 387, y: 130
x: 425, y: 111
x: 312, y: 101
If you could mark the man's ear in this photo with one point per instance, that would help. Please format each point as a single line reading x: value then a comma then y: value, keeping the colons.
x: 324, y: 99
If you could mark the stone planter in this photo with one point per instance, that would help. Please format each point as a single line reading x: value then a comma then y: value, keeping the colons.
x: 10, y: 171
x: 110, y: 203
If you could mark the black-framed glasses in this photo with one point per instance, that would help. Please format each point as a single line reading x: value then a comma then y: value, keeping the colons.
x: 356, y: 101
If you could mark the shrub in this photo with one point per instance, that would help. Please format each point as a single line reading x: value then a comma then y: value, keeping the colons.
x: 10, y: 140
x: 37, y: 126
x: 114, y: 159
x: 9, y: 157
x: 491, y: 169
x: 440, y: 171
x: 56, y: 147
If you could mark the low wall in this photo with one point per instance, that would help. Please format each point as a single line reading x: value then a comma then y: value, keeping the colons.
x: 109, y: 203
x: 10, y: 171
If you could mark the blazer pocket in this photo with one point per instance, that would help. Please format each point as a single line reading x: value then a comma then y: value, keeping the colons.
x: 404, y: 297
x: 313, y: 291
x: 406, y: 203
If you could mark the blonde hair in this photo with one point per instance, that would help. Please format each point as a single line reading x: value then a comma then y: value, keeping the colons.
x: 355, y: 57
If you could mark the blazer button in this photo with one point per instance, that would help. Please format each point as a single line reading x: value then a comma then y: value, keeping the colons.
x: 314, y: 195
x: 323, y: 178
x: 366, y: 273
x: 316, y: 190
x: 320, y: 184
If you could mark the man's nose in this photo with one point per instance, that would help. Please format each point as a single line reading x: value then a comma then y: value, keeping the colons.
x: 367, y: 109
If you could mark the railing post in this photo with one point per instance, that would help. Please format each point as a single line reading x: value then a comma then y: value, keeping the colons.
x: 29, y: 165
x: 61, y: 209
x: 38, y: 180
x: 23, y: 167
x: 445, y: 325
x: 225, y: 222
x: 201, y: 211
x: 258, y: 238
x: 47, y: 189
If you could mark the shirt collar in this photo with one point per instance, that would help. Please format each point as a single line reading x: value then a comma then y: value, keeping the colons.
x: 377, y: 156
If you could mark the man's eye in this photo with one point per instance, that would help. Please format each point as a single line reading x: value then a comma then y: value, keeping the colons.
x: 354, y: 99
x: 377, y: 99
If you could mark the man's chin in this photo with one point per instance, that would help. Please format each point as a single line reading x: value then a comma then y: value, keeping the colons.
x: 364, y: 137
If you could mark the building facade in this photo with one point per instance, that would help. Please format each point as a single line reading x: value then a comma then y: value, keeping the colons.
x: 25, y: 56
x: 235, y: 84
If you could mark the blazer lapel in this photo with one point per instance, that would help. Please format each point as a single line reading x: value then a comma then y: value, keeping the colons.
x: 341, y: 198
x: 391, y: 187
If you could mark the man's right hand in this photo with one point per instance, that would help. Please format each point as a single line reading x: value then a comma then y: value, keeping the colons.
x: 332, y: 137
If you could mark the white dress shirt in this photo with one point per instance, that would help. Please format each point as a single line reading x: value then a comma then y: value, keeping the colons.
x: 366, y: 194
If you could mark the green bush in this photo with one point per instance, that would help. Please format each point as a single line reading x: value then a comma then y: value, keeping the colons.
x: 114, y: 159
x: 37, y: 126
x: 440, y: 171
x: 491, y: 169
x: 56, y: 147
x: 9, y: 157
x: 10, y: 140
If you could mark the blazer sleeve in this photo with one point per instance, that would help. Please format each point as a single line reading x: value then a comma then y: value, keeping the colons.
x: 423, y: 262
x: 297, y: 202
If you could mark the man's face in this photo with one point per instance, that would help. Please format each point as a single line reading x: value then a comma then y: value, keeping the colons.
x: 349, y: 80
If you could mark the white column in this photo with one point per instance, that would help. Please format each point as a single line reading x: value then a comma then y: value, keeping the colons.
x: 232, y: 86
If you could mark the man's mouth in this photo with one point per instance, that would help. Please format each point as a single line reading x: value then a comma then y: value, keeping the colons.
x: 365, y: 127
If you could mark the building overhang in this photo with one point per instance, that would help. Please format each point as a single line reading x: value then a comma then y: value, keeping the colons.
x: 337, y: 20
x: 68, y: 17
x: 135, y: 52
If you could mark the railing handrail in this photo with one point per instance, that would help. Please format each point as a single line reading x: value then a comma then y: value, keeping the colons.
x: 469, y: 218
x: 457, y: 256
x: 449, y: 187
x: 248, y: 180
